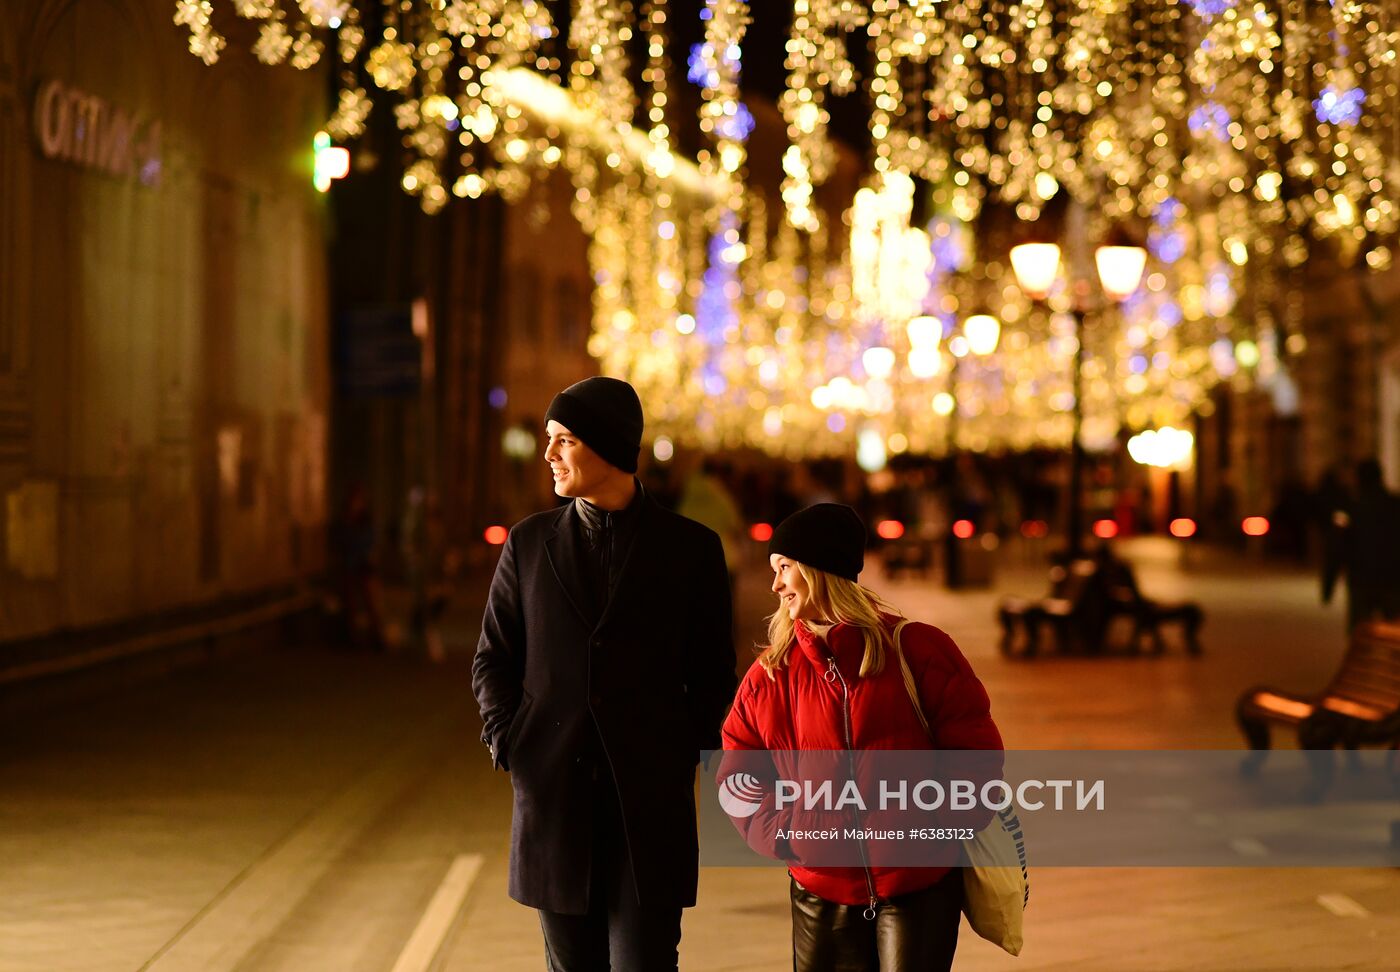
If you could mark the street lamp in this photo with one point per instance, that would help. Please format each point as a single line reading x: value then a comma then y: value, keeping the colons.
x: 980, y: 335
x: 1120, y: 271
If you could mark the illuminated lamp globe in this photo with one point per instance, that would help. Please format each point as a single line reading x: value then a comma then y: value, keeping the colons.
x: 925, y: 331
x: 982, y: 332
x: 1120, y: 269
x: 925, y: 362
x: 1035, y: 265
x: 878, y: 362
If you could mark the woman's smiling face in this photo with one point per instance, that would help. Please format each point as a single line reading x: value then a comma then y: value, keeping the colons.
x: 791, y: 587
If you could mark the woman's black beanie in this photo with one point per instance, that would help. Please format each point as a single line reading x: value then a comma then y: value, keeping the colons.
x: 827, y: 536
x: 606, y: 415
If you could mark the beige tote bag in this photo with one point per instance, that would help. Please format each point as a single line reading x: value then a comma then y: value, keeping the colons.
x: 996, y: 883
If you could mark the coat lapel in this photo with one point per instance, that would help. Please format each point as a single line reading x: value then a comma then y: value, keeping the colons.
x: 561, y: 547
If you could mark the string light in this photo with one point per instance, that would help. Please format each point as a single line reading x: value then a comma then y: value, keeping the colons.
x: 1245, y: 136
x: 817, y: 62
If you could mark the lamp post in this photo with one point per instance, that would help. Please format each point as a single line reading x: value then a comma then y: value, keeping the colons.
x: 980, y: 335
x: 1120, y: 270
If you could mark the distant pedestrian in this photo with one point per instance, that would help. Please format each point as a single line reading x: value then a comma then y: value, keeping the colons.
x: 605, y: 665
x: 355, y: 542
x: 1288, y: 521
x: 1365, y: 548
x: 424, y: 559
x: 707, y: 500
x: 831, y: 679
x: 1327, y: 510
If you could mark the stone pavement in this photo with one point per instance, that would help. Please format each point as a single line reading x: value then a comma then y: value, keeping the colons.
x: 301, y: 810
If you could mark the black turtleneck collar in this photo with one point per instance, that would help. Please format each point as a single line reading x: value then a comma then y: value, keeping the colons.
x: 596, y: 519
x: 606, y: 537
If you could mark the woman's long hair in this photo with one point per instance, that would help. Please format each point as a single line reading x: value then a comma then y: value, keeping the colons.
x: 837, y: 600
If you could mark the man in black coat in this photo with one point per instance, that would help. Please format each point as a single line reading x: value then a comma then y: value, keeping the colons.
x: 605, y: 665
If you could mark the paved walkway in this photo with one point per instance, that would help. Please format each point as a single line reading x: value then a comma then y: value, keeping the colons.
x: 304, y: 810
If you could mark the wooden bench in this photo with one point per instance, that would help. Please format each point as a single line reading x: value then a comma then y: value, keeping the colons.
x: 1359, y: 707
x: 1148, y: 615
x: 1086, y: 596
x: 1074, y: 610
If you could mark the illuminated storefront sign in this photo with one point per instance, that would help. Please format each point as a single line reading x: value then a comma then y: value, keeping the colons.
x: 74, y: 126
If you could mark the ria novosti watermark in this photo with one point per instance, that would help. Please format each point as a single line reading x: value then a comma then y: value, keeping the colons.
x: 742, y: 794
x: 1078, y: 808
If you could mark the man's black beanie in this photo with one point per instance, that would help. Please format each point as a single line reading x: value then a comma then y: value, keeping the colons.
x: 606, y: 414
x: 827, y: 536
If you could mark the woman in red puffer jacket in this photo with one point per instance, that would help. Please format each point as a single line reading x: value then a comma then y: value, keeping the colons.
x: 829, y: 680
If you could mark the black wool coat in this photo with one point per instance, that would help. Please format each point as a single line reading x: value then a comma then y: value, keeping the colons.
x: 651, y: 679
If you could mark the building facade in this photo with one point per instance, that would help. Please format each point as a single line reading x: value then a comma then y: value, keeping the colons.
x: 163, y: 308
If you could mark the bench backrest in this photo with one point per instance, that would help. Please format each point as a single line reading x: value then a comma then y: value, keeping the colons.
x: 1370, y: 672
x: 1074, y: 580
x: 1120, y: 579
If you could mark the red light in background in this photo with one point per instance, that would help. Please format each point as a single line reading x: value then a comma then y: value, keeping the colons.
x: 1255, y: 526
x: 496, y: 535
x: 762, y: 532
x: 1105, y: 529
x: 1183, y: 526
x: 1035, y: 528
x: 889, y: 529
x: 962, y: 529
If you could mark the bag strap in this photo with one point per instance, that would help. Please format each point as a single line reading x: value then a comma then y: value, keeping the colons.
x: 910, y: 685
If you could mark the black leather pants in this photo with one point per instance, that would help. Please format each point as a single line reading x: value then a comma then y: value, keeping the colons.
x: 916, y: 932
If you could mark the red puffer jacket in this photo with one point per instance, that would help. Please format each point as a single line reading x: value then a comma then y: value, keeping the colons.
x: 801, y: 709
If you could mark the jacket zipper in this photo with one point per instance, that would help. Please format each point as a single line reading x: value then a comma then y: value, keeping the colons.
x: 834, y: 674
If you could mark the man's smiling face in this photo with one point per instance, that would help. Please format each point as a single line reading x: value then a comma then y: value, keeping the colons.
x: 577, y: 469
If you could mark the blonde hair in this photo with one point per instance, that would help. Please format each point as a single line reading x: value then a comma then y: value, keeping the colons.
x: 836, y: 600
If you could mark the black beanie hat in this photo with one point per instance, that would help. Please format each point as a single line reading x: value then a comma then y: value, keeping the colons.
x: 606, y: 414
x: 827, y: 536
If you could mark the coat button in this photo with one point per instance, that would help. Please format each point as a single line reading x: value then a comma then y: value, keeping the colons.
x: 595, y: 700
